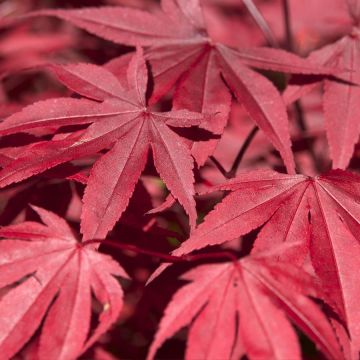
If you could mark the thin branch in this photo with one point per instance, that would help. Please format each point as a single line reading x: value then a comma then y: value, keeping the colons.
x: 287, y: 25
x: 219, y: 166
x: 232, y: 172
x: 261, y: 22
x: 298, y: 109
x: 242, y: 151
x: 299, y: 114
x: 168, y: 258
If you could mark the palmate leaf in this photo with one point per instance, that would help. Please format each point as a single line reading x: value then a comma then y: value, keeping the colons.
x: 59, y: 294
x: 181, y: 44
x: 287, y: 202
x: 245, y: 308
x: 120, y: 120
x: 56, y: 276
x: 341, y: 97
x: 22, y: 49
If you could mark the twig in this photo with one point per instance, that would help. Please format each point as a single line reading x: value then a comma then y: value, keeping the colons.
x: 298, y: 109
x: 165, y: 257
x: 261, y: 22
x: 287, y: 24
x: 242, y: 151
x: 219, y: 166
x: 232, y: 172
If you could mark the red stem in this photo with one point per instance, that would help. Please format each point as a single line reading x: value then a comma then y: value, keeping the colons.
x: 242, y: 151
x: 219, y: 166
x: 298, y: 109
x: 166, y: 257
x: 287, y: 24
x: 232, y: 172
x: 261, y: 22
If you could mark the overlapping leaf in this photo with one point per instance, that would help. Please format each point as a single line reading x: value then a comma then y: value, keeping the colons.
x: 182, y: 43
x: 304, y: 225
x: 341, y: 98
x: 245, y: 309
x: 331, y: 201
x: 56, y: 276
x: 120, y: 120
x: 21, y: 49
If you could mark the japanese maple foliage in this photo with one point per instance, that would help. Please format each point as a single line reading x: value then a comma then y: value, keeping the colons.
x: 53, y: 264
x: 174, y: 182
x: 182, y: 42
x: 121, y: 121
x: 341, y: 98
x: 254, y: 325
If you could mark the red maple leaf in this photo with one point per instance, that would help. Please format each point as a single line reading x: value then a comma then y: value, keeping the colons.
x: 341, y: 98
x: 121, y: 121
x: 286, y: 202
x: 182, y: 45
x: 56, y: 276
x: 244, y: 308
x: 21, y: 49
x: 272, y: 251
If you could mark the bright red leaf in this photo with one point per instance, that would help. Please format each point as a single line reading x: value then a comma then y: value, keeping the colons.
x: 287, y: 202
x: 274, y: 256
x: 120, y: 121
x: 56, y: 276
x: 341, y: 97
x: 246, y: 309
x: 182, y: 43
